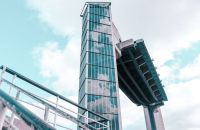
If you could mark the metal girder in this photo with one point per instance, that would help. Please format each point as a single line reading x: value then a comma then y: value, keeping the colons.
x: 134, y: 82
x: 134, y: 94
x: 142, y: 76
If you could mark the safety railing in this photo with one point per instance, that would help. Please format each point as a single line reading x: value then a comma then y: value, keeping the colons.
x: 51, y: 112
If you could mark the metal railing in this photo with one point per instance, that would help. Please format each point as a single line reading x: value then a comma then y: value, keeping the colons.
x: 50, y: 107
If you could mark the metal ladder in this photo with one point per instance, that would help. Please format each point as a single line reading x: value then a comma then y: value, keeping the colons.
x: 51, y: 110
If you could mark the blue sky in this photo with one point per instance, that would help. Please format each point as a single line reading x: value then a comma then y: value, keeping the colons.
x: 20, y: 32
x: 41, y: 39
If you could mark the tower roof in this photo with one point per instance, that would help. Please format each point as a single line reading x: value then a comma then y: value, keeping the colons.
x: 94, y: 3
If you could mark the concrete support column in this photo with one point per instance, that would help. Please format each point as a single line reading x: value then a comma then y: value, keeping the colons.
x: 2, y: 114
x: 153, y: 118
x: 149, y: 118
x: 159, y: 119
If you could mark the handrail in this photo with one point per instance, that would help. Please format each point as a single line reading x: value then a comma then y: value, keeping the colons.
x: 61, y: 107
x: 30, y: 118
x: 45, y: 103
x: 64, y: 114
x: 20, y: 76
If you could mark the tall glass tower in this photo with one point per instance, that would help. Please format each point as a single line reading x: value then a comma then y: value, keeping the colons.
x: 98, y: 85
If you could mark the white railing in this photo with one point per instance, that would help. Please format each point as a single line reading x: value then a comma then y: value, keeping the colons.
x: 51, y: 112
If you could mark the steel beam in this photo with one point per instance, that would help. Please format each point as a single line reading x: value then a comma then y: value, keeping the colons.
x: 132, y: 92
x: 133, y: 80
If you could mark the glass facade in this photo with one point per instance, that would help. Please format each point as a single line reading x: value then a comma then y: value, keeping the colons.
x: 98, y: 87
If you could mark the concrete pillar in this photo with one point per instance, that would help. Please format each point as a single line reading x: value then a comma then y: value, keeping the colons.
x: 2, y: 114
x: 153, y: 118
x: 159, y: 119
x: 149, y: 118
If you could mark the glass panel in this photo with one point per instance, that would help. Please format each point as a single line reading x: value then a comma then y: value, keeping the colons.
x: 97, y: 51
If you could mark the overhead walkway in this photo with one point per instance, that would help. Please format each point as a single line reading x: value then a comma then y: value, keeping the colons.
x: 25, y: 103
x: 137, y: 75
x: 139, y: 80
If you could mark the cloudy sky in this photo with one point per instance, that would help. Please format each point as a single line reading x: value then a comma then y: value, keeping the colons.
x: 41, y: 39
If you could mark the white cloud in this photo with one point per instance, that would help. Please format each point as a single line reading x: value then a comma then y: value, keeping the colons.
x: 165, y: 72
x: 176, y: 73
x: 58, y: 14
x: 62, y: 16
x: 191, y: 70
x: 169, y: 74
x: 132, y: 115
x: 182, y: 109
x: 166, y: 26
x: 61, y: 65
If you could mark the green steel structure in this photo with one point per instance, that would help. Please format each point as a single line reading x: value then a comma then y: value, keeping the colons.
x: 139, y: 80
x: 137, y: 75
x: 98, y: 88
